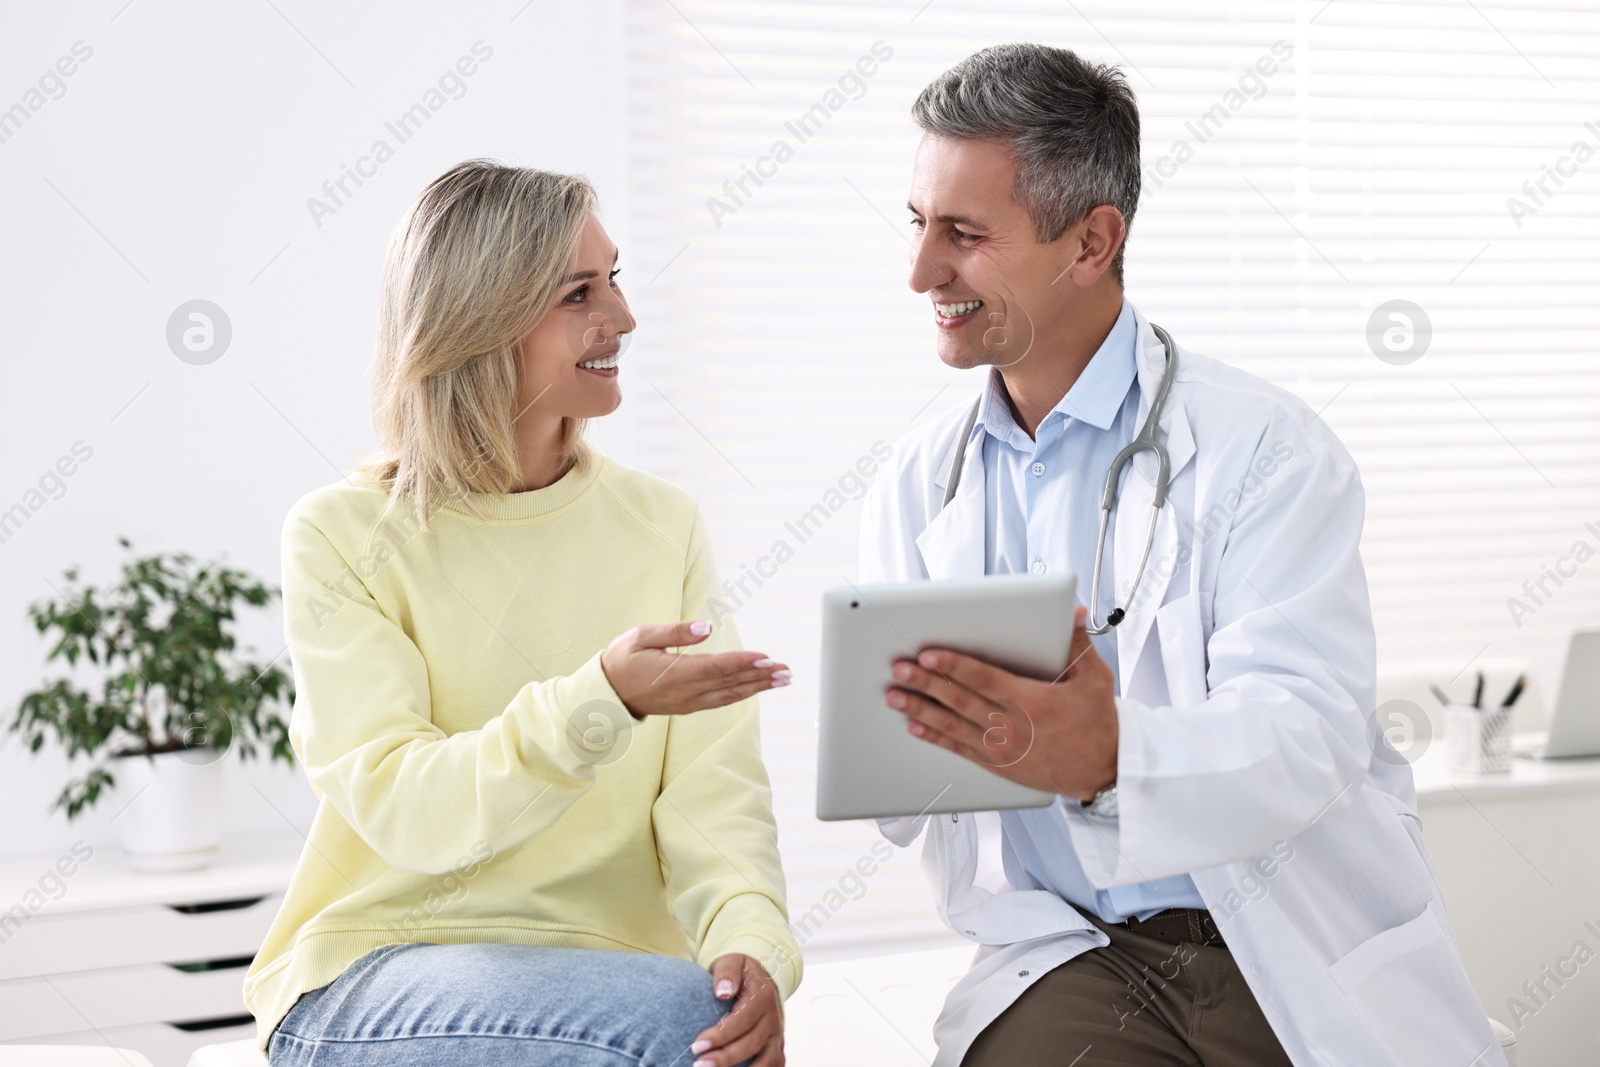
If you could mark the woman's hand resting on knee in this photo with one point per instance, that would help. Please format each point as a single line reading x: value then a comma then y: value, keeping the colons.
x: 652, y: 681
x: 753, y: 1029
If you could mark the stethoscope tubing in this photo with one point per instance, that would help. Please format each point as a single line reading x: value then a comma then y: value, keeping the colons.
x: 1144, y: 441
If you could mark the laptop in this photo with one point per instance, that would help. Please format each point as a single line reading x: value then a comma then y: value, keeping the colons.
x: 1575, y: 721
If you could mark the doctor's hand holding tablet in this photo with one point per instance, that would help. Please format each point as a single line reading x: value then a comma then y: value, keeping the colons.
x: 1069, y: 724
x: 964, y: 695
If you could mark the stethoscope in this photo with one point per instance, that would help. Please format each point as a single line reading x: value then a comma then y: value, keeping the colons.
x: 1144, y: 442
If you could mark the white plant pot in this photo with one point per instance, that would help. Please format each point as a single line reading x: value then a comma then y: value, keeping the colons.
x: 167, y: 808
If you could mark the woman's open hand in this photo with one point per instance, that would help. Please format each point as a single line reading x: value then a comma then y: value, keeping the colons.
x: 753, y: 1029
x: 653, y: 681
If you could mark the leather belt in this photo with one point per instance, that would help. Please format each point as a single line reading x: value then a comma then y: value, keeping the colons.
x: 1178, y: 926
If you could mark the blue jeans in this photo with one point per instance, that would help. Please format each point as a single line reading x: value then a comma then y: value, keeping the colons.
x: 495, y: 1003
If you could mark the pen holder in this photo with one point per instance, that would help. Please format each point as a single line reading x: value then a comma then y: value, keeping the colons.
x: 1478, y: 740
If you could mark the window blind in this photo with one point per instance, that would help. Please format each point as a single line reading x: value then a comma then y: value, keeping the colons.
x: 1307, y: 165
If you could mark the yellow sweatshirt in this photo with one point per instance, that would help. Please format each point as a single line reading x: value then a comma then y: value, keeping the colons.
x: 477, y: 777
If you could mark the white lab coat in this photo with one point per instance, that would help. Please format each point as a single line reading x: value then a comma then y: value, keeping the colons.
x: 1247, y: 696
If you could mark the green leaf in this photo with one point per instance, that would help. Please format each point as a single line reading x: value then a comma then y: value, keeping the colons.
x: 162, y: 643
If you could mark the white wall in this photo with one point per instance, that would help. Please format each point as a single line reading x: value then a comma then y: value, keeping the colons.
x: 177, y: 165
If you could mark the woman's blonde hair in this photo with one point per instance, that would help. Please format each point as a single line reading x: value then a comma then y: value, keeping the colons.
x: 477, y: 260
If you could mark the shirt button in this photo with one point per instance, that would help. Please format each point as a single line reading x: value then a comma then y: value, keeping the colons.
x: 1022, y: 974
x: 1038, y: 566
x: 1038, y: 468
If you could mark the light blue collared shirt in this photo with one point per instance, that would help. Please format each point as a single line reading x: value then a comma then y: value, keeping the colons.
x: 1042, y: 515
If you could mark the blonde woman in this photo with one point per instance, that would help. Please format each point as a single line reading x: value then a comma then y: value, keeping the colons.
x: 543, y: 836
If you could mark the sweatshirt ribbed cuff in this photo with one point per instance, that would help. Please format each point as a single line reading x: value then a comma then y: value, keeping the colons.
x: 752, y: 925
x: 594, y: 719
x: 587, y: 683
x: 781, y: 962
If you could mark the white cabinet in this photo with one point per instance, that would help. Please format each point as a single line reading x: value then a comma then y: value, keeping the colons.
x: 95, y: 953
x: 1516, y: 859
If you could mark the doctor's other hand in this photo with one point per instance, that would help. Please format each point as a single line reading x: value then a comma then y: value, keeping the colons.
x: 753, y: 1028
x: 1059, y: 736
x: 653, y: 681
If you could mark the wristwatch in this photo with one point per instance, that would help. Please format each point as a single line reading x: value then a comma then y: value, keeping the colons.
x: 1104, y: 803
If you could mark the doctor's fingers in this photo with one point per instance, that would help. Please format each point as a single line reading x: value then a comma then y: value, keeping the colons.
x: 933, y: 721
x: 968, y: 673
x: 939, y: 685
x: 955, y: 744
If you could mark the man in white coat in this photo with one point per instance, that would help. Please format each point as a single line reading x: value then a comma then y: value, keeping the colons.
x: 1234, y: 872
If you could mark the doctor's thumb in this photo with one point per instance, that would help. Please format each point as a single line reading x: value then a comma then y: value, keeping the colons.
x: 1081, y: 645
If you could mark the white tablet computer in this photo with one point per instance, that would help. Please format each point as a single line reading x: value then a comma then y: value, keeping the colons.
x: 868, y: 764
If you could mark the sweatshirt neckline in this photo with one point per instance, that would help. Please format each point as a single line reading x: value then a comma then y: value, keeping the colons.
x: 533, y: 503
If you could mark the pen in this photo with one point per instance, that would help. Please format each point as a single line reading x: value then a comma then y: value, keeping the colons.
x: 1439, y: 694
x: 1516, y: 691
x: 1477, y: 695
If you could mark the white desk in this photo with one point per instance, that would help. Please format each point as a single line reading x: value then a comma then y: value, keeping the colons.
x: 1518, y: 859
x: 153, y: 962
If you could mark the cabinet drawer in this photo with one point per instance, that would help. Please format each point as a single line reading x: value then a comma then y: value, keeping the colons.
x: 150, y: 933
x: 125, y: 996
x: 164, y: 1045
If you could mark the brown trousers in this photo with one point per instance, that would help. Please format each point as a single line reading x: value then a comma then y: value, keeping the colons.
x: 1140, y: 1001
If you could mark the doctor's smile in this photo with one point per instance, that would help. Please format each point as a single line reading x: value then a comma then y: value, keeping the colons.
x: 955, y: 314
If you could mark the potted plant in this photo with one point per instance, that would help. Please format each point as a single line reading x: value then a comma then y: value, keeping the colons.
x: 173, y: 699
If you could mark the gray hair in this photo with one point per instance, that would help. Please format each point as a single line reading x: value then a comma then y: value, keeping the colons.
x: 1072, y: 125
